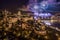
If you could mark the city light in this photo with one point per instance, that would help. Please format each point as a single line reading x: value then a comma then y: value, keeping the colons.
x: 44, y: 4
x: 36, y: 6
x: 29, y: 20
x: 41, y: 14
x: 45, y: 14
x: 35, y: 17
x: 47, y: 22
x: 39, y: 7
x: 36, y: 14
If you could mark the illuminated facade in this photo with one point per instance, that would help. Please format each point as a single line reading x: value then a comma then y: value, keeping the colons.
x: 39, y: 8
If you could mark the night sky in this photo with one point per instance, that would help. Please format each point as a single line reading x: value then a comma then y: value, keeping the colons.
x: 12, y: 4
